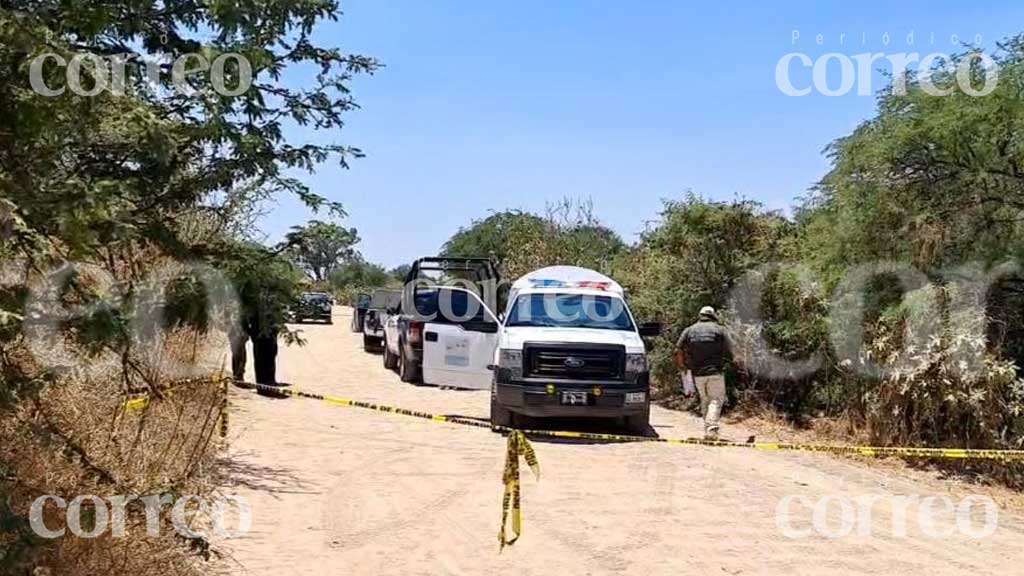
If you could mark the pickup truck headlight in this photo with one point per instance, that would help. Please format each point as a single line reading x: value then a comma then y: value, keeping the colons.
x: 512, y: 361
x: 636, y: 363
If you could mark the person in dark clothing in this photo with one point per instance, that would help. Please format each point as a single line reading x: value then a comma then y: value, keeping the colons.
x: 263, y: 330
x: 238, y: 338
x: 704, y: 348
x: 265, y: 359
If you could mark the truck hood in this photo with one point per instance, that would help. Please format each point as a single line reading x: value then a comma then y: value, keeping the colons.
x: 515, y: 337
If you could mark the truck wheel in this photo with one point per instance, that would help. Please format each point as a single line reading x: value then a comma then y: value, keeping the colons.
x: 390, y: 360
x: 500, y: 416
x: 407, y: 370
x: 640, y: 424
x: 370, y: 343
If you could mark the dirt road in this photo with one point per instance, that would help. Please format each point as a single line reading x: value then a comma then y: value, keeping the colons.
x: 345, y: 491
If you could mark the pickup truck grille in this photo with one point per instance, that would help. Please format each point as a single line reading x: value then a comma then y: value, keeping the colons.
x: 574, y: 362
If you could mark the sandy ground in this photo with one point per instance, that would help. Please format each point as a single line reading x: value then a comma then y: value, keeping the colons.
x: 337, y: 490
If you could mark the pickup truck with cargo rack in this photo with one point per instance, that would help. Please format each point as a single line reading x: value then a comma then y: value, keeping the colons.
x: 438, y: 324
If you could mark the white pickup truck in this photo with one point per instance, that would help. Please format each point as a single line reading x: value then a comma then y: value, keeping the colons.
x: 442, y: 334
x: 567, y: 345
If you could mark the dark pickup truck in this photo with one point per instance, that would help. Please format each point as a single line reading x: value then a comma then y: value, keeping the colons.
x: 376, y: 315
x: 313, y: 306
x: 360, y: 304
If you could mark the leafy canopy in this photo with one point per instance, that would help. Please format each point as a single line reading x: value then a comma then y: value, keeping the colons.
x: 321, y: 247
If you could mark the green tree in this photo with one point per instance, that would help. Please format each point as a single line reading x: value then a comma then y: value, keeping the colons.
x: 932, y: 183
x: 128, y: 181
x: 520, y: 242
x: 85, y: 172
x: 398, y: 273
x: 267, y: 284
x: 320, y: 247
x: 492, y: 237
x: 360, y: 274
x: 693, y: 257
x: 930, y: 180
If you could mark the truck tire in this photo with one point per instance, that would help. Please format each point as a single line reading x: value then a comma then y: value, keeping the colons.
x: 370, y: 343
x: 500, y: 416
x: 640, y: 424
x: 390, y: 360
x: 407, y: 370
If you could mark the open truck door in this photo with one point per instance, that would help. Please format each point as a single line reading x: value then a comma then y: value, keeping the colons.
x: 458, y: 345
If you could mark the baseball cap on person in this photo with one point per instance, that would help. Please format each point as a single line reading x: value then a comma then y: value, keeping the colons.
x: 708, y: 312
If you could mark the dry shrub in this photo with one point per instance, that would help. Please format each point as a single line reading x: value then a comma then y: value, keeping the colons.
x: 943, y: 386
x: 76, y: 438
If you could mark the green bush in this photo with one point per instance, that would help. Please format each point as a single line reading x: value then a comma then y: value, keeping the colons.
x: 691, y: 258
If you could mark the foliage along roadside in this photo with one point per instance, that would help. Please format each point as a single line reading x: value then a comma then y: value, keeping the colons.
x: 929, y: 184
x: 126, y: 184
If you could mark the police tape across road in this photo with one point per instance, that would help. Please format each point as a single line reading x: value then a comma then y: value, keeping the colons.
x: 876, y: 451
x: 519, y: 446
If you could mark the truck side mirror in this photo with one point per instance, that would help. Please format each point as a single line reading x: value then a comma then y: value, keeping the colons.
x: 649, y: 329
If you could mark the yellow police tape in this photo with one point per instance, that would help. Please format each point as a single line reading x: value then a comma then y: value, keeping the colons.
x: 875, y: 451
x: 224, y: 410
x: 139, y: 401
x: 518, y: 445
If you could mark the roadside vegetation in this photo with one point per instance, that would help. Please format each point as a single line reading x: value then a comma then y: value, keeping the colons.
x: 125, y: 203
x: 922, y: 197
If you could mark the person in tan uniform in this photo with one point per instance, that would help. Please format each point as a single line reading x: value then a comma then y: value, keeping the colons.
x: 704, y: 348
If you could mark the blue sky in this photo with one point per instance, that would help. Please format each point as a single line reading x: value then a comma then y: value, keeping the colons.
x: 483, y: 106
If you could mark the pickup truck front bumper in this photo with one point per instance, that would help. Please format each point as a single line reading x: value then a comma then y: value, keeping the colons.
x: 315, y: 314
x: 603, y: 399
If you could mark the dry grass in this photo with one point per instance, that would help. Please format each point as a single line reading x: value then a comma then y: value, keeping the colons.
x: 769, y: 422
x: 77, y: 438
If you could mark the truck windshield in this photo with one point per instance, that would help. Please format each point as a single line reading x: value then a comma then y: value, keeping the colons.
x: 570, y: 311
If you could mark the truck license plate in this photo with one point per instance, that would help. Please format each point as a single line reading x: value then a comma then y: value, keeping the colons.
x: 635, y: 397
x: 574, y: 398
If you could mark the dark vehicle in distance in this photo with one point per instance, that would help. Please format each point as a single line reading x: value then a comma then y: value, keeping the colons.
x: 360, y: 304
x: 377, y: 315
x: 313, y: 306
